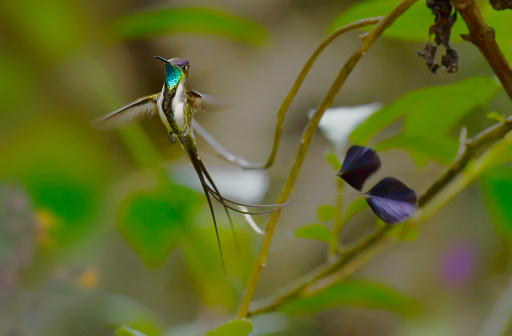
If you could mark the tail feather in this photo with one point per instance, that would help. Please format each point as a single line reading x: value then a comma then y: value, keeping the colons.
x: 190, y: 148
x: 221, y: 200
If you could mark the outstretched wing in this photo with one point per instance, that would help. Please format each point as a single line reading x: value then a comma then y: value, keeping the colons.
x: 200, y: 101
x: 195, y: 101
x: 133, y: 112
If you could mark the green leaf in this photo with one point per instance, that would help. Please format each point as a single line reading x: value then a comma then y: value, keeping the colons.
x: 187, y: 20
x: 495, y: 116
x: 429, y: 114
x: 127, y: 331
x: 153, y: 221
x: 326, y: 212
x: 316, y: 231
x: 330, y: 157
x: 240, y: 327
x: 440, y: 149
x: 497, y: 188
x: 353, y: 293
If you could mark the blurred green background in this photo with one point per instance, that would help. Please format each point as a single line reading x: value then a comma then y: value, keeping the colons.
x: 100, y: 229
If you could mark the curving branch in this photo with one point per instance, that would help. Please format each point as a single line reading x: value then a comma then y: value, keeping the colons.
x: 285, y: 105
x: 482, y: 36
x: 368, y: 40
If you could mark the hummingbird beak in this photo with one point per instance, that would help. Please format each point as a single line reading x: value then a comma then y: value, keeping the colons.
x: 162, y: 59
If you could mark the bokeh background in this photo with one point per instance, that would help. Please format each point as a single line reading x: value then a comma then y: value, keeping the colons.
x: 100, y: 229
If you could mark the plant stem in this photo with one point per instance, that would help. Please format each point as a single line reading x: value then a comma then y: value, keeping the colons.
x: 307, y: 136
x: 471, y: 148
x: 338, y: 221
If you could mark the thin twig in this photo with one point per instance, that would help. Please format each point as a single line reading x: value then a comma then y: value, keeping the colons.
x: 338, y: 220
x: 347, y: 260
x: 472, y: 147
x: 310, y: 130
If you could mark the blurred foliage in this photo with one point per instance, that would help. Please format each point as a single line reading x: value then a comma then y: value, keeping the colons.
x: 122, y: 311
x: 240, y: 327
x: 127, y: 331
x: 497, y: 188
x: 316, y: 231
x: 187, y: 20
x: 170, y: 212
x: 353, y: 293
x: 65, y: 184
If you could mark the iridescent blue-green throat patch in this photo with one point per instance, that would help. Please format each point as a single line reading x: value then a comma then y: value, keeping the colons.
x: 172, y: 76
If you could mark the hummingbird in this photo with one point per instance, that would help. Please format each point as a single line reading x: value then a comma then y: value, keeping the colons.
x: 176, y: 106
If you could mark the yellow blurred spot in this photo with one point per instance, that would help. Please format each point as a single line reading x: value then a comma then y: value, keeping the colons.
x: 87, y: 279
x: 45, y: 223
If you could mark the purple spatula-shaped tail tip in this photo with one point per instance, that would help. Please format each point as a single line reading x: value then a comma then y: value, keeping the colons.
x: 360, y: 162
x: 392, y: 201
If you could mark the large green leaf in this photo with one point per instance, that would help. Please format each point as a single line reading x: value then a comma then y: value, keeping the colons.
x: 316, y: 231
x: 186, y: 20
x: 352, y: 293
x: 153, y: 221
x: 497, y: 189
x: 439, y: 148
x: 240, y: 327
x: 429, y: 114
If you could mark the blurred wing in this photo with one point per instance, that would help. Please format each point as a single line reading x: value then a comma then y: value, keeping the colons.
x: 195, y: 101
x: 133, y: 112
x: 200, y: 101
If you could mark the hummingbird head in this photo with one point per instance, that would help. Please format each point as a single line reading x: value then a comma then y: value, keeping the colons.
x: 176, y: 69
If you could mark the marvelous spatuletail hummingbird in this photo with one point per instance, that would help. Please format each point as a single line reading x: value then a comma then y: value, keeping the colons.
x: 176, y: 107
x: 390, y: 199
